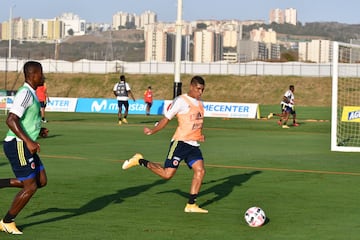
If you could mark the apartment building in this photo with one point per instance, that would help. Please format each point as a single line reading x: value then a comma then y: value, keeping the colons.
x: 281, y: 16
x: 250, y: 51
x: 207, y: 46
x: 318, y: 51
x: 35, y: 29
x: 277, y: 16
x: 216, y: 41
x: 126, y: 20
x: 155, y: 43
x: 55, y: 30
x: 230, y: 38
x: 350, y: 55
x: 263, y: 35
x: 43, y: 29
x: 291, y: 16
x: 147, y: 17
x: 72, y: 24
x: 232, y: 33
x: 160, y: 40
x: 120, y: 20
x: 171, y: 46
x: 15, y: 31
x: 272, y: 51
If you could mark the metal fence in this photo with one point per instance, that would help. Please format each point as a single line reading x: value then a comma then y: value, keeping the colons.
x: 192, y: 68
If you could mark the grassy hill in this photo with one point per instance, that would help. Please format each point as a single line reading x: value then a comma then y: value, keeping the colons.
x: 266, y: 90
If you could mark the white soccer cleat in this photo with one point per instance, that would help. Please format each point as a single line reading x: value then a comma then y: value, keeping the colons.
x: 9, y: 228
x: 124, y: 120
x: 194, y: 208
x: 134, y: 161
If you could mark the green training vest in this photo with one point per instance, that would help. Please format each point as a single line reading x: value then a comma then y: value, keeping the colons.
x: 30, y: 122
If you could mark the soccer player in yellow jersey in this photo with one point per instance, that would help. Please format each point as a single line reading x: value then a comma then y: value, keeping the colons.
x: 184, y: 145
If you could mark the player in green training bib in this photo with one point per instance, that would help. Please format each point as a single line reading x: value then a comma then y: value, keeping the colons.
x: 20, y: 146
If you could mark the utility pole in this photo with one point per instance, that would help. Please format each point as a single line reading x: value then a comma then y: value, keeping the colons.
x: 109, y: 54
x: 177, y: 81
x: 56, y: 53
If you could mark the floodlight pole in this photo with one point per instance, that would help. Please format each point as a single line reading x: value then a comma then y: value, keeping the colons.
x: 177, y: 81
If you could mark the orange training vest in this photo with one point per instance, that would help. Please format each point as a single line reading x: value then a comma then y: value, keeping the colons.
x: 148, y: 95
x: 190, y: 123
x: 41, y: 93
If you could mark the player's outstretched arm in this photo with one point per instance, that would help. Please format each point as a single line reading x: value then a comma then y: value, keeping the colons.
x: 161, y: 124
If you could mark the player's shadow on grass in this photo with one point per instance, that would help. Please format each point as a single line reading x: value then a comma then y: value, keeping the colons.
x: 70, y: 120
x: 51, y: 136
x: 149, y: 121
x: 222, y: 188
x: 93, y: 205
x: 4, y: 164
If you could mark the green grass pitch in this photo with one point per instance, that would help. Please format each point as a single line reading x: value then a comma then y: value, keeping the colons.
x: 306, y: 191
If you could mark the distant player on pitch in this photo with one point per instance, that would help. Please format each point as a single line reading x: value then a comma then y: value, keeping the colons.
x: 287, y: 105
x: 122, y: 91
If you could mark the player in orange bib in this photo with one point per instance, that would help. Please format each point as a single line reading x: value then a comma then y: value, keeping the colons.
x: 41, y: 93
x: 189, y: 111
x: 148, y: 99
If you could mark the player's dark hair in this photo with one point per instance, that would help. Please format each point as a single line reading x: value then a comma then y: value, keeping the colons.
x: 30, y: 67
x: 122, y: 78
x: 197, y: 80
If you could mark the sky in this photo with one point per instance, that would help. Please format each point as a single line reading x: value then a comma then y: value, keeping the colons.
x: 166, y: 10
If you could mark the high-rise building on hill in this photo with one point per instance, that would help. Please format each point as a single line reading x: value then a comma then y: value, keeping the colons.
x: 281, y: 16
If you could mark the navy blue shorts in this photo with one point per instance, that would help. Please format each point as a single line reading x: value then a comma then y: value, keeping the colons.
x: 24, y: 164
x: 123, y: 103
x: 179, y: 151
x: 285, y: 108
x: 43, y: 104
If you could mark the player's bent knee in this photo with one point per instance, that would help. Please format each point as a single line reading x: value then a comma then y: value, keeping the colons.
x: 42, y: 184
x: 168, y: 173
x: 166, y: 177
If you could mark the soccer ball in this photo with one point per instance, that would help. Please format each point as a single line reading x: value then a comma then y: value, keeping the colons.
x: 255, y: 217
